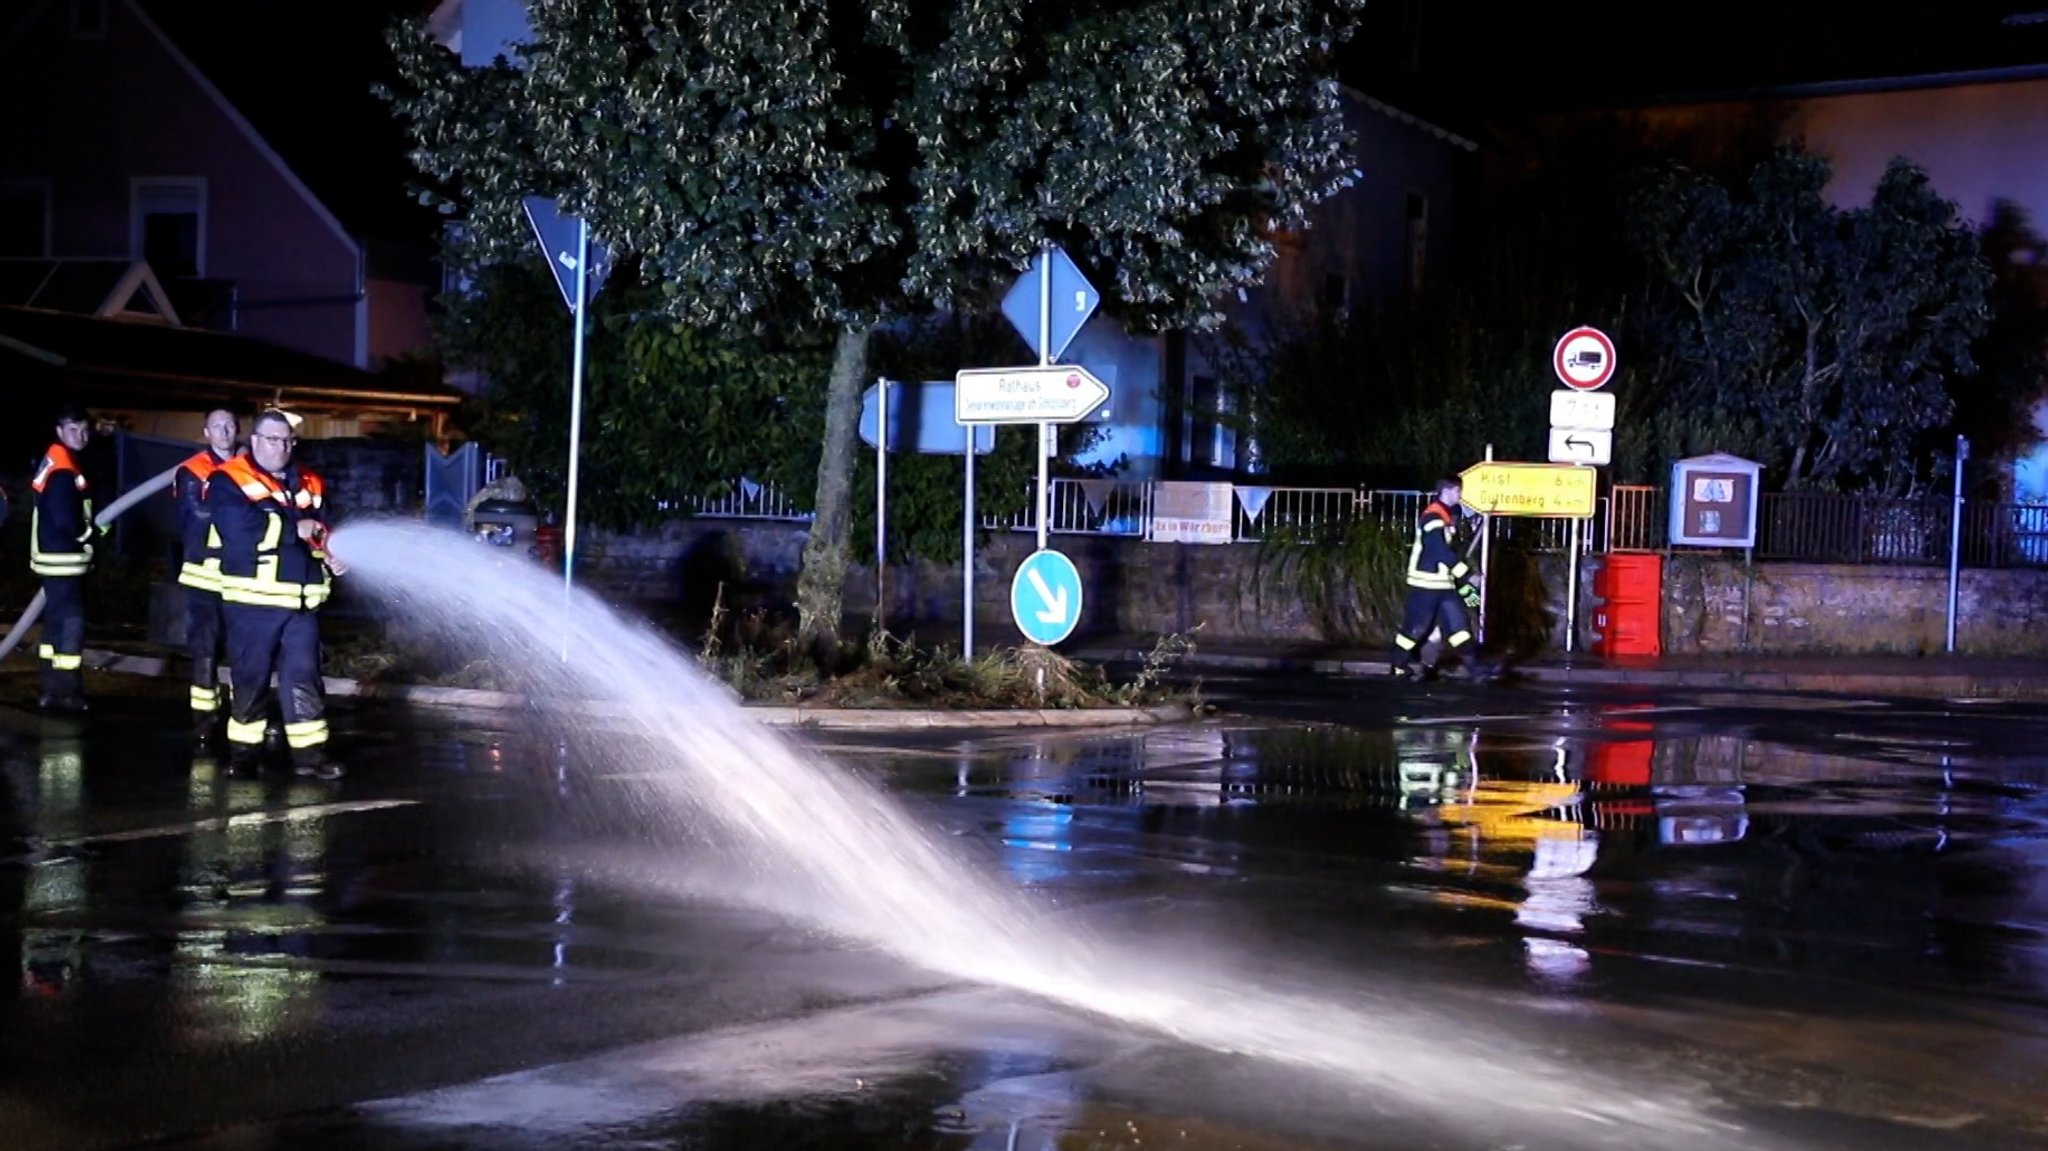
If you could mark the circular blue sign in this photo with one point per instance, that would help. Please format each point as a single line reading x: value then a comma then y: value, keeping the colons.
x: 1045, y: 597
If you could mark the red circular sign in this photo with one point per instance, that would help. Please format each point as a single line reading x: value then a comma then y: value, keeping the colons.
x: 1583, y: 359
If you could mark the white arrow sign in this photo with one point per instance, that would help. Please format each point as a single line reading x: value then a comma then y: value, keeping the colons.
x: 1055, y: 609
x: 1052, y: 394
x: 1579, y: 446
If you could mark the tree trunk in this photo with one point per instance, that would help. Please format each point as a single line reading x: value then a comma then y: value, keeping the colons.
x: 821, y: 585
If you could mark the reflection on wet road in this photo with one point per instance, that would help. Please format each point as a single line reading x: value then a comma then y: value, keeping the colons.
x: 1818, y: 921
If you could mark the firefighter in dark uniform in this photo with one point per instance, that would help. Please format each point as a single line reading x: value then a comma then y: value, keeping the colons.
x: 199, y: 571
x: 1439, y: 590
x: 60, y: 551
x: 274, y: 574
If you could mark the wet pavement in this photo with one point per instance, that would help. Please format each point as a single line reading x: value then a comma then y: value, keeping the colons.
x: 1817, y: 920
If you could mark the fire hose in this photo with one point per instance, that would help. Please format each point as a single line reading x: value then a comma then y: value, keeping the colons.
x: 105, y: 516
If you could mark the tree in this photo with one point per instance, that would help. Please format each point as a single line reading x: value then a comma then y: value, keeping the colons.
x: 1822, y: 340
x: 778, y: 163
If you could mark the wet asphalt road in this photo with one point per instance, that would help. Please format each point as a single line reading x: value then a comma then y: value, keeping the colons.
x: 1818, y: 919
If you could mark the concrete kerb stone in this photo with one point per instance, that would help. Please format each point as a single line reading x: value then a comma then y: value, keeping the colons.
x: 1934, y: 685
x: 876, y: 719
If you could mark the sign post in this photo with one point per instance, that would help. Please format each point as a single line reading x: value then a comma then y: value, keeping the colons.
x: 1048, y: 306
x: 917, y: 416
x: 1581, y: 432
x: 579, y: 266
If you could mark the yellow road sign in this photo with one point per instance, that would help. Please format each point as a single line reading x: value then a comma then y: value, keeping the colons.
x: 1515, y: 489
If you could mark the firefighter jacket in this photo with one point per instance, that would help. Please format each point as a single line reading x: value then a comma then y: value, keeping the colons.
x: 199, y: 543
x: 60, y: 532
x: 1433, y: 562
x: 256, y: 513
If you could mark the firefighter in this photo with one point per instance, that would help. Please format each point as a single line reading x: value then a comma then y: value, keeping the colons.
x: 1439, y: 590
x: 200, y: 571
x: 275, y: 572
x: 60, y: 551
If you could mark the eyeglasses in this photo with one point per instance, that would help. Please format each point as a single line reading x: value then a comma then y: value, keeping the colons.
x: 287, y: 441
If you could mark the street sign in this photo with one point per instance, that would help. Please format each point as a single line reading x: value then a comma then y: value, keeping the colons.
x: 1524, y: 489
x: 1583, y: 359
x: 921, y: 420
x: 1049, y: 394
x: 557, y: 235
x: 1581, y: 446
x: 1073, y: 300
x: 1590, y: 411
x: 1045, y: 597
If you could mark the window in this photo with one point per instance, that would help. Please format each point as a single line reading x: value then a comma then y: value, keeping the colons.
x: 1336, y: 294
x: 1418, y: 238
x: 88, y: 19
x: 25, y: 218
x: 168, y: 227
x: 1211, y: 438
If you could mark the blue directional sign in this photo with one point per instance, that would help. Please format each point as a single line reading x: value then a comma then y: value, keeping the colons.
x: 557, y: 235
x: 1045, y: 597
x: 921, y: 420
x: 1074, y: 299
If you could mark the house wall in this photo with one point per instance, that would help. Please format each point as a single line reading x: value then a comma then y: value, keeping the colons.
x: 110, y: 110
x: 1361, y: 235
x: 399, y: 324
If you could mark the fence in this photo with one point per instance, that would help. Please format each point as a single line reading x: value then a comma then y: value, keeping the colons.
x: 1809, y: 527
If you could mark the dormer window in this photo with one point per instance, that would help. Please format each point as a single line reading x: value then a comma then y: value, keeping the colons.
x: 88, y: 19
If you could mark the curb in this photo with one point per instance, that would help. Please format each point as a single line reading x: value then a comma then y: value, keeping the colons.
x: 1954, y: 686
x: 845, y: 718
x: 840, y: 718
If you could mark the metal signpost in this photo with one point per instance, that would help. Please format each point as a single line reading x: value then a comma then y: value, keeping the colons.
x: 1581, y: 433
x: 579, y: 266
x: 917, y: 416
x: 1048, y: 305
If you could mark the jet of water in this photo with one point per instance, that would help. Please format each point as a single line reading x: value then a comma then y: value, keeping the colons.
x: 839, y: 853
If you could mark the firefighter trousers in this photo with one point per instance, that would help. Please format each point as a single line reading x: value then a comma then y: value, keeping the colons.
x: 1428, y: 610
x: 263, y: 640
x: 203, y: 633
x: 63, y: 644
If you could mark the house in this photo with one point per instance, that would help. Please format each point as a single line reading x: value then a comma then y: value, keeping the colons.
x: 1388, y: 234
x: 1976, y: 133
x: 120, y: 146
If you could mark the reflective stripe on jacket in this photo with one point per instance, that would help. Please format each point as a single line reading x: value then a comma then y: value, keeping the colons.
x: 60, y: 528
x: 256, y: 514
x: 199, y: 543
x: 1433, y: 563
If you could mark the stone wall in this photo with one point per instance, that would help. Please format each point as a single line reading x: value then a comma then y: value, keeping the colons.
x: 1718, y: 606
x: 1132, y: 586
x: 1144, y: 588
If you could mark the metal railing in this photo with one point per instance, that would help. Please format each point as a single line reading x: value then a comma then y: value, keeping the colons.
x: 746, y: 500
x: 1809, y: 527
x: 1831, y: 527
x: 1633, y: 519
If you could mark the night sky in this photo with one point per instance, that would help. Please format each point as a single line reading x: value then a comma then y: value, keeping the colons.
x: 1455, y: 61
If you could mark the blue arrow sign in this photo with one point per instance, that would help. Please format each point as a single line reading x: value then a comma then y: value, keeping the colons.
x: 557, y: 235
x: 1045, y: 597
x: 1074, y: 299
x: 921, y: 420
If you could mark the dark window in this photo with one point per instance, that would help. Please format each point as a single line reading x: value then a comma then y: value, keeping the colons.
x: 170, y: 226
x: 24, y: 220
x: 170, y: 242
x: 88, y: 19
x: 1418, y: 239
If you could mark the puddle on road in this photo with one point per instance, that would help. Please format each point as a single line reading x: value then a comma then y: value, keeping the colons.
x: 1798, y: 927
